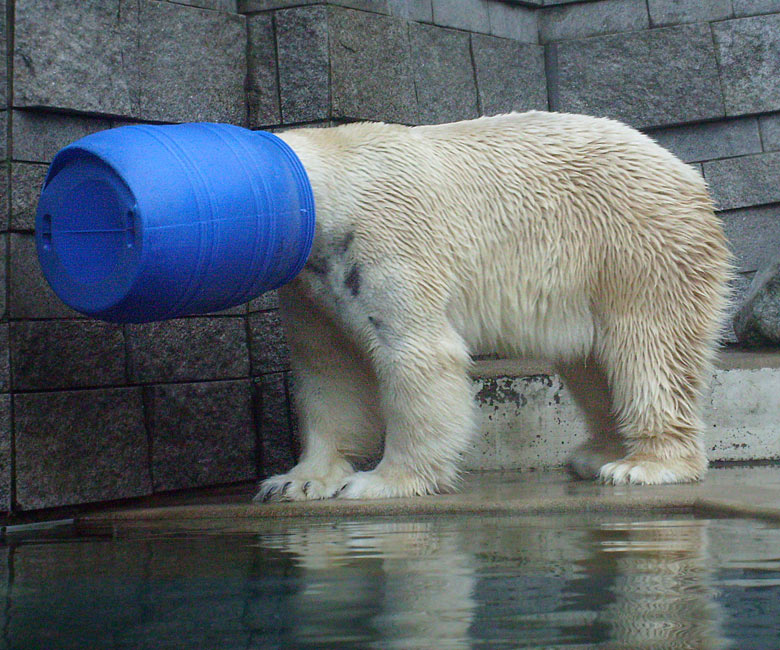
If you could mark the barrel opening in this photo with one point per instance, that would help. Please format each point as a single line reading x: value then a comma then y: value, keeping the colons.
x: 88, y: 231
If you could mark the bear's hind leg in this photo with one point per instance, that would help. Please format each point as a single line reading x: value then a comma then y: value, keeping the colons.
x: 655, y: 374
x: 587, y: 384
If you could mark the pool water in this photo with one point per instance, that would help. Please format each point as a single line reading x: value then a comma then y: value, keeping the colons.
x: 588, y: 581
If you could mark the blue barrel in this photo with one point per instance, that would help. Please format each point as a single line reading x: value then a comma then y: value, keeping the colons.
x: 145, y: 223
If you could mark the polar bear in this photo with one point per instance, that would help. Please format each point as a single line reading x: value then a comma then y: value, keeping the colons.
x: 554, y: 235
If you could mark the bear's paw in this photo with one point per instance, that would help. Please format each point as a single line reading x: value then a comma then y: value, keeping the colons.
x: 645, y: 471
x: 377, y: 485
x: 302, y: 485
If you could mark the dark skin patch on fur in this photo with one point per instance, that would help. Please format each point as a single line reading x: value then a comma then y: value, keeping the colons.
x: 317, y: 266
x: 352, y: 281
x: 375, y: 322
x: 348, y: 239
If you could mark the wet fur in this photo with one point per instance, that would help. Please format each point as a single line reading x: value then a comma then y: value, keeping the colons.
x: 553, y: 235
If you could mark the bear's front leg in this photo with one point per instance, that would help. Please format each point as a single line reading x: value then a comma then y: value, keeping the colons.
x: 335, y: 395
x: 428, y: 412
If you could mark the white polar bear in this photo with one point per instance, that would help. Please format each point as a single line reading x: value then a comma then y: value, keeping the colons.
x: 545, y: 234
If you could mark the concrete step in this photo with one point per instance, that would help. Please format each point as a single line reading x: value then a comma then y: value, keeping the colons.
x: 529, y: 419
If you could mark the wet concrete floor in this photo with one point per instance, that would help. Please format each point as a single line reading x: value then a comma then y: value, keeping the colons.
x: 745, y: 491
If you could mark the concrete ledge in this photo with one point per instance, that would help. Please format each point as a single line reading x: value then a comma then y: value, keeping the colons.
x: 530, y: 419
x: 727, y: 491
x: 728, y: 359
x: 743, y: 360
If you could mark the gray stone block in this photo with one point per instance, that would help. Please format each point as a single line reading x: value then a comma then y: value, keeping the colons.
x: 443, y: 74
x: 37, y: 136
x: 237, y: 310
x: 3, y: 275
x: 754, y: 234
x: 230, y: 6
x: 698, y: 142
x: 469, y: 15
x: 418, y: 10
x: 66, y: 354
x: 677, y: 12
x: 79, y: 447
x: 136, y: 58
x: 253, y: 6
x: 277, y: 454
x: 749, y: 60
x: 26, y: 184
x: 117, y: 122
x: 29, y: 295
x: 512, y: 21
x: 371, y: 70
x: 77, y: 55
x: 510, y: 75
x: 270, y: 352
x: 5, y: 192
x: 755, y: 7
x: 262, y: 74
x: 304, y: 63
x: 202, y: 434
x: 591, y: 19
x: 3, y: 73
x: 770, y: 131
x: 188, y: 349
x: 646, y: 78
x: 3, y: 133
x: 5, y: 453
x: 335, y: 62
x: 744, y: 181
x: 265, y: 302
x: 5, y: 361
x: 757, y: 323
x: 738, y: 290
x: 192, y: 64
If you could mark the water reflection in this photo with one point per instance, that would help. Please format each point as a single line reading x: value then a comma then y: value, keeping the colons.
x: 663, y: 596
x: 406, y: 583
x: 465, y: 582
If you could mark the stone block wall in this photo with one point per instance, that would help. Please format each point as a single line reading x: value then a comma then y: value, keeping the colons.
x: 94, y: 412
